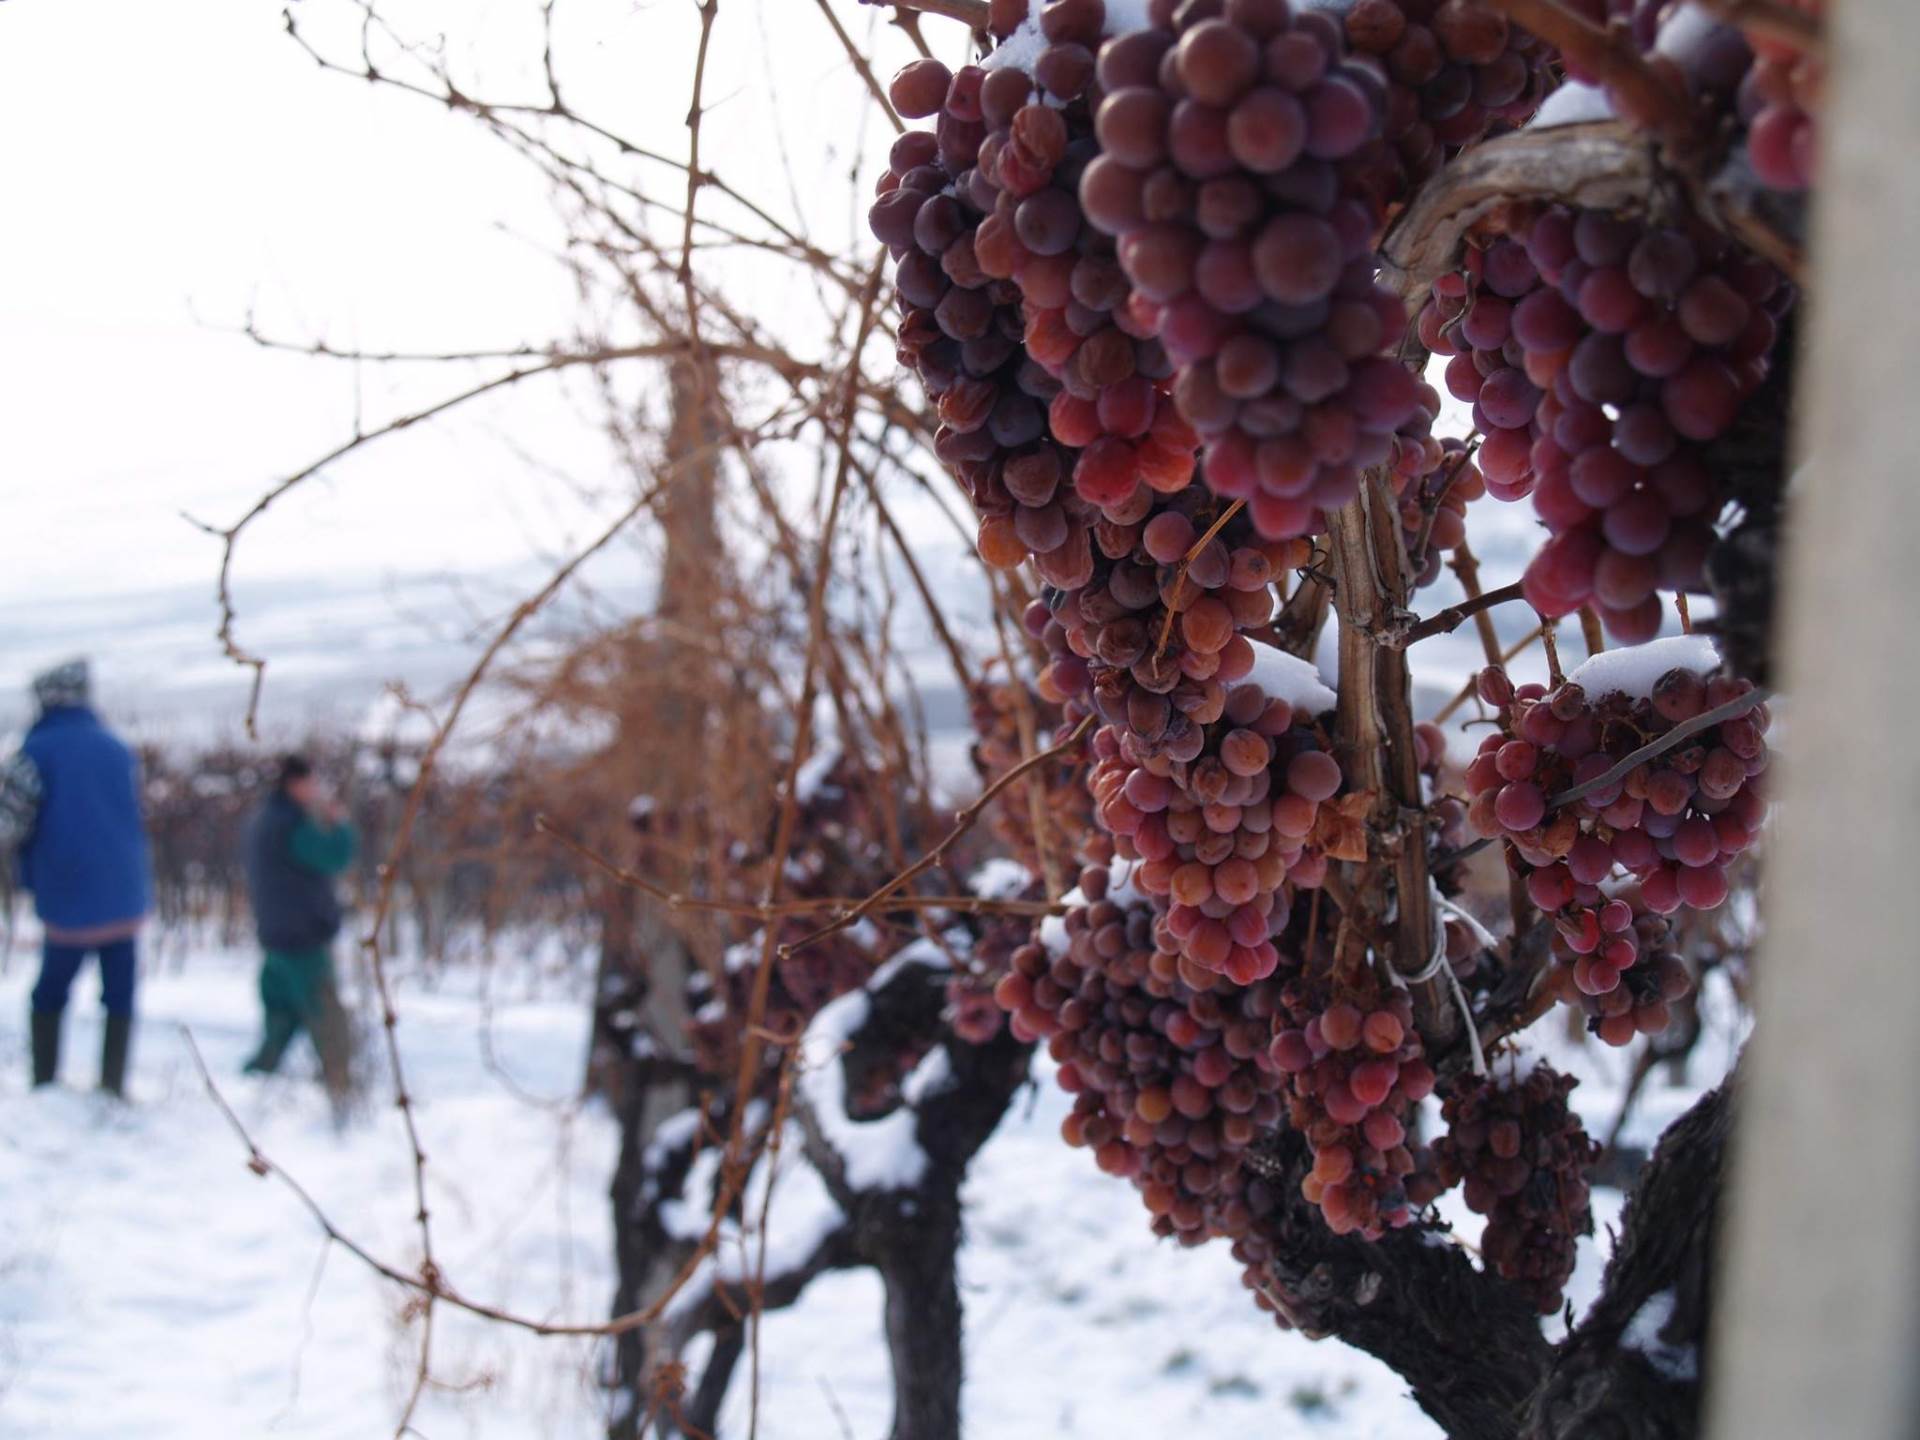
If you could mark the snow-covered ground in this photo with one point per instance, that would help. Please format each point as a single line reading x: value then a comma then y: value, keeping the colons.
x: 151, y: 1285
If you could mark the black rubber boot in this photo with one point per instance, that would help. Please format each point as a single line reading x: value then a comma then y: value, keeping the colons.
x: 46, y: 1046
x: 113, y: 1054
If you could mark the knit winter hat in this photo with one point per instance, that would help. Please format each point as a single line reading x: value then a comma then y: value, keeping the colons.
x: 67, y: 684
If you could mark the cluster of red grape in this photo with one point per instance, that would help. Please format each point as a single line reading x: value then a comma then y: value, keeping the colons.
x: 1673, y: 822
x: 998, y: 746
x: 1171, y: 1083
x: 1354, y: 1068
x: 1778, y: 99
x: 1772, y: 84
x: 1522, y: 1159
x: 972, y: 1012
x: 1434, y: 481
x: 1112, y: 406
x: 1601, y: 354
x: 839, y: 818
x: 1153, y: 638
x: 961, y: 329
x: 1221, y: 132
x: 1221, y: 835
x: 1455, y: 70
x: 1640, y: 1001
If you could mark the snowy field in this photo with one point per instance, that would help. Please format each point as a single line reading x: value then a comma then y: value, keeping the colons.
x: 150, y: 1285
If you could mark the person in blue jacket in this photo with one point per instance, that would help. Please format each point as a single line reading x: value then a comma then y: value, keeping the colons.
x: 298, y: 843
x: 70, y: 809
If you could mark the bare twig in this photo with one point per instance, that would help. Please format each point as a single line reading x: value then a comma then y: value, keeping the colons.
x: 1445, y: 622
x: 861, y: 67
x: 675, y: 900
x: 1610, y: 53
x: 1660, y: 744
x: 962, y: 823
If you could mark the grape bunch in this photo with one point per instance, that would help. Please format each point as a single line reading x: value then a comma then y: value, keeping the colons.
x: 961, y: 330
x: 1171, y: 1082
x: 1601, y: 355
x: 1522, y: 1159
x: 1112, y: 407
x: 1434, y: 482
x: 1455, y: 70
x: 971, y: 1010
x: 1153, y: 638
x: 998, y: 746
x: 1354, y: 1069
x: 1673, y: 822
x: 1225, y: 835
x: 1640, y: 1001
x: 1221, y: 134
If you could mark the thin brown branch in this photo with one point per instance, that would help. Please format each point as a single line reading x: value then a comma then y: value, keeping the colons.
x: 1609, y: 53
x: 1660, y: 744
x: 861, y: 67
x: 1445, y: 622
x: 753, y: 1047
x: 675, y: 900
x: 971, y: 13
x: 963, y: 822
x: 427, y: 1284
x: 1590, y: 631
x: 1186, y: 560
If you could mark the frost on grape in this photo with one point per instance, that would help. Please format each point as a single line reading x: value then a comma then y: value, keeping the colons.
x: 1633, y: 670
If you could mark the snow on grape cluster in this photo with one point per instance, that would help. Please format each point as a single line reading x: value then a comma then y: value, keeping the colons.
x: 1225, y: 833
x: 1671, y: 823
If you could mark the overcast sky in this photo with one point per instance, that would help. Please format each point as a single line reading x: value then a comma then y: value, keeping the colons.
x: 170, y: 168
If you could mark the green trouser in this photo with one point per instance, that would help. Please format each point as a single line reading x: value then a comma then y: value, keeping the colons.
x: 297, y: 991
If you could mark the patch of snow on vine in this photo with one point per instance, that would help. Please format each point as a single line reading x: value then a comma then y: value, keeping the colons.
x: 878, y: 1154
x: 1000, y: 878
x: 1289, y: 678
x: 1634, y: 670
x: 1678, y: 1363
x: 1022, y: 47
x: 1574, y: 103
x: 932, y: 1075
x: 792, y: 1213
x: 1120, y: 887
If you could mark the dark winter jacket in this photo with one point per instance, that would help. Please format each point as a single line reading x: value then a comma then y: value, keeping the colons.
x: 291, y: 863
x: 83, y: 852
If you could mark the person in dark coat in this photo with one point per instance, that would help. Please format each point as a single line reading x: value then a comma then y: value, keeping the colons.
x: 70, y: 809
x: 298, y: 843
